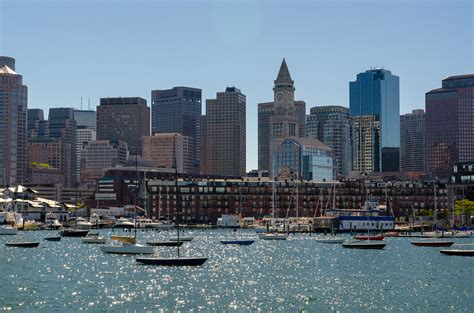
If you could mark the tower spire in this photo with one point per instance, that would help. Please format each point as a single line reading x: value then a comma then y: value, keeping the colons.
x: 284, y: 77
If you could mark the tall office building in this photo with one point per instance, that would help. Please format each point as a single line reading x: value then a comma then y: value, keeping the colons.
x: 225, y: 133
x: 449, y: 125
x: 282, y: 113
x: 35, y: 116
x: 13, y: 124
x: 375, y: 109
x: 99, y: 155
x: 412, y: 141
x: 332, y: 125
x: 203, y: 156
x: 123, y: 119
x: 164, y: 148
x: 83, y: 136
x: 178, y: 110
x: 62, y: 128
x: 85, y: 119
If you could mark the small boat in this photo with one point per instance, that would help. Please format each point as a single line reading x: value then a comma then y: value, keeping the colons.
x: 182, y: 239
x: 330, y: 240
x: 22, y: 244
x: 172, y: 261
x: 126, y: 239
x: 124, y: 223
x: 364, y: 245
x: 165, y: 243
x: 127, y: 249
x: 433, y: 243
x: 53, y: 238
x: 242, y: 242
x: 51, y: 221
x: 8, y: 230
x: 273, y: 236
x: 369, y: 237
x: 458, y: 252
x: 73, y: 232
x: 94, y: 239
x: 392, y: 234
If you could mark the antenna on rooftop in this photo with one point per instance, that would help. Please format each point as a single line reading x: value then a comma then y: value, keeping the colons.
x: 89, y: 105
x: 81, y: 102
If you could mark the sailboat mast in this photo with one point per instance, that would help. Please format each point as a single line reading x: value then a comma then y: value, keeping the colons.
x: 435, y: 213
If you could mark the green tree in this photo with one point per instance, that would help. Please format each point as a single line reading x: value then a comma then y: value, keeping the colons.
x: 464, y: 207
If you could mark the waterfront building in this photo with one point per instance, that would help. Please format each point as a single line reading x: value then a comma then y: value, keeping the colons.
x: 99, y: 155
x: 375, y: 109
x: 85, y: 119
x: 62, y: 128
x: 412, y: 141
x: 226, y: 133
x: 164, y: 149
x: 449, y: 125
x: 13, y: 124
x: 178, y: 110
x: 303, y: 159
x: 332, y: 126
x: 123, y: 119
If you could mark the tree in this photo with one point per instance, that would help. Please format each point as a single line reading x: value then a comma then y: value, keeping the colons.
x: 464, y: 207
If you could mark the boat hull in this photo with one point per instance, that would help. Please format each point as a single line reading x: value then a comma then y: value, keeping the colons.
x: 238, y: 242
x: 360, y: 245
x: 330, y: 240
x: 369, y: 237
x: 182, y: 239
x: 458, y: 252
x: 22, y: 244
x: 273, y: 236
x: 165, y: 243
x: 127, y: 249
x: 58, y: 238
x: 73, y: 233
x: 8, y: 231
x: 432, y: 243
x: 94, y: 240
x: 172, y: 261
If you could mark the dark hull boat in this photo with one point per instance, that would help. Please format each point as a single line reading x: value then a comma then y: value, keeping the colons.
x: 55, y: 238
x: 238, y: 242
x: 433, y: 243
x: 172, y: 261
x: 364, y: 245
x: 73, y: 232
x: 375, y: 237
x: 22, y: 244
x: 165, y: 243
x: 458, y: 252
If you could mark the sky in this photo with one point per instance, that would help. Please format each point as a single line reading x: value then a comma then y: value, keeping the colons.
x: 67, y: 49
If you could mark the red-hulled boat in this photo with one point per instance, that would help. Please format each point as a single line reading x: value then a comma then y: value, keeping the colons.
x: 369, y: 237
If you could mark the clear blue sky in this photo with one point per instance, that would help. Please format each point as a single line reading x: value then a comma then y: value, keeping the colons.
x: 68, y: 49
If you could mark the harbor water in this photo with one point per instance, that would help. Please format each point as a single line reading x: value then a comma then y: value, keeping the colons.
x: 298, y: 274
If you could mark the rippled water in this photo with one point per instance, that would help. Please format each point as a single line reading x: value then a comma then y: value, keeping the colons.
x: 294, y: 275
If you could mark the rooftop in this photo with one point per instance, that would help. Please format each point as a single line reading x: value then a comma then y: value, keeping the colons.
x: 6, y: 70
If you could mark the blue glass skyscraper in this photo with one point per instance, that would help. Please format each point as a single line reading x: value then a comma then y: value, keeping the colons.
x: 375, y: 108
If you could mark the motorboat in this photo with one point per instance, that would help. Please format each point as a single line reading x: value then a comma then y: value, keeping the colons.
x: 432, y: 243
x: 53, y: 238
x: 369, y: 237
x: 273, y: 236
x: 172, y: 261
x: 165, y: 243
x: 127, y: 249
x: 458, y: 252
x: 69, y: 232
x: 240, y: 242
x: 364, y: 245
x: 22, y: 244
x: 181, y: 239
x: 51, y: 221
x: 94, y: 238
x: 8, y: 230
x: 31, y: 225
x: 82, y: 223
x: 124, y: 223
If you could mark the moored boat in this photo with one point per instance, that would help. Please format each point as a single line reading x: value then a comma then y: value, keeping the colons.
x: 126, y: 239
x: 432, y: 243
x: 127, y: 249
x: 369, y: 237
x: 8, y: 230
x: 94, y: 239
x: 458, y: 252
x: 242, y: 242
x: 182, y: 239
x: 172, y: 261
x: 22, y: 244
x: 165, y: 243
x: 330, y: 240
x: 273, y: 236
x: 73, y: 232
x: 53, y: 238
x: 364, y: 245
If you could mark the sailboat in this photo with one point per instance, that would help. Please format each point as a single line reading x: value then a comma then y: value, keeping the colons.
x: 129, y: 245
x: 273, y: 235
x: 332, y: 238
x: 433, y: 243
x: 178, y: 261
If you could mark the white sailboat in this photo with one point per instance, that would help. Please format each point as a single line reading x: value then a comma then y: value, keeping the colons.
x: 333, y: 238
x: 273, y: 235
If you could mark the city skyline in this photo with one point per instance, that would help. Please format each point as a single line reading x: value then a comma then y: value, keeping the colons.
x: 59, y: 71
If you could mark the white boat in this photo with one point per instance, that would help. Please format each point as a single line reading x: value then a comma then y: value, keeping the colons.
x: 148, y: 223
x: 82, y: 223
x: 94, y: 238
x: 8, y: 230
x: 127, y: 249
x: 51, y: 221
x: 182, y: 239
x: 273, y: 236
x: 124, y: 223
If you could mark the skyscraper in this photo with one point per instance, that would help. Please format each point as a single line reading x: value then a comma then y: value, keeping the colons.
x: 375, y: 108
x: 332, y: 125
x: 449, y: 125
x: 85, y: 119
x: 13, y: 124
x: 125, y: 119
x: 178, y: 110
x: 279, y: 119
x: 226, y: 133
x: 35, y: 116
x: 412, y: 141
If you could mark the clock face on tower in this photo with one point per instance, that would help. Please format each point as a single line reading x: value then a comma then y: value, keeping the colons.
x: 279, y: 96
